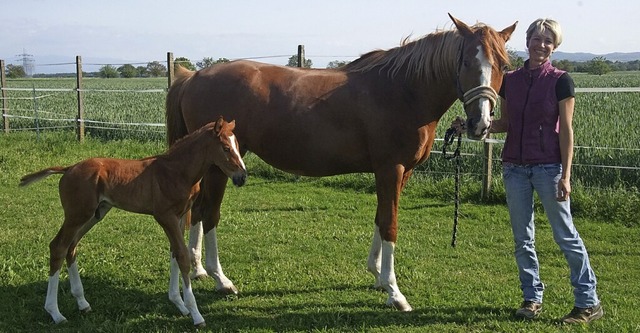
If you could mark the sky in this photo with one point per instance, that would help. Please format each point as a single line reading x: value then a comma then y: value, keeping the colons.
x: 140, y: 31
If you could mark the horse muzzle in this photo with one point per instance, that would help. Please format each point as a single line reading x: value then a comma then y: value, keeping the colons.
x: 239, y: 179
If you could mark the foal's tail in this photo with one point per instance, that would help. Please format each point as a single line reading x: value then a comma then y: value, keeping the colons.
x: 176, y: 127
x: 36, y: 176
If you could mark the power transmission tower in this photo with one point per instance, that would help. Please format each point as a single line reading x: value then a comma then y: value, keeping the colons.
x: 28, y: 63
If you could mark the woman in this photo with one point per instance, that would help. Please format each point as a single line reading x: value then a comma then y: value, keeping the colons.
x: 537, y: 103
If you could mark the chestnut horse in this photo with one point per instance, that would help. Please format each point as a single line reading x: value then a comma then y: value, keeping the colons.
x: 378, y: 114
x: 163, y: 186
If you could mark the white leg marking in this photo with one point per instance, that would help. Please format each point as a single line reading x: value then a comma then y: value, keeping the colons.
x: 388, y: 279
x: 212, y: 263
x: 174, y: 287
x: 76, y: 288
x: 51, y: 303
x: 373, y: 262
x: 190, y: 302
x: 195, y: 251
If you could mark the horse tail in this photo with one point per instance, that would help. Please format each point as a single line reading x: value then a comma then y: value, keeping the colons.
x: 36, y: 176
x: 176, y: 127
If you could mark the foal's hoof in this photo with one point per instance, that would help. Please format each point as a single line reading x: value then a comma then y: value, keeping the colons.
x: 86, y: 310
x: 201, y: 325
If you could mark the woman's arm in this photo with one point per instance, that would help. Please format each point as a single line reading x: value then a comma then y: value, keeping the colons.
x: 566, y: 145
x: 501, y: 125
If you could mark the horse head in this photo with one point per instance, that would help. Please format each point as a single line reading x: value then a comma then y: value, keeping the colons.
x: 227, y: 154
x: 482, y: 58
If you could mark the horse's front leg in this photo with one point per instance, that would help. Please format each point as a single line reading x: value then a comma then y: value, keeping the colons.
x: 389, y: 184
x: 172, y: 226
x: 195, y: 251
x: 212, y: 263
x: 208, y: 203
x: 375, y: 255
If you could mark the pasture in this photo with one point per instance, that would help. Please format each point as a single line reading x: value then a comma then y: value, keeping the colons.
x: 296, y: 247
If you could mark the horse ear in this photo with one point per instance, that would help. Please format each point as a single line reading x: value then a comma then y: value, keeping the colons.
x: 506, y: 32
x: 219, y: 124
x: 463, y: 28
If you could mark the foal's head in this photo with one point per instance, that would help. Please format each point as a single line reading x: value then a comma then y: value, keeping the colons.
x: 226, y: 152
x: 481, y: 61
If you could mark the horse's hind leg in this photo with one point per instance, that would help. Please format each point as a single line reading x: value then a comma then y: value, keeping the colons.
x: 77, y: 290
x: 195, y: 250
x: 60, y: 247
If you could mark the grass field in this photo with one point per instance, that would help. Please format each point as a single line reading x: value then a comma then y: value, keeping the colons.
x: 296, y: 248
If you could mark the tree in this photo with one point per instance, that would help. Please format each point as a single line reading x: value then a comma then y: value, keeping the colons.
x: 598, y: 66
x: 185, y: 62
x: 564, y: 65
x: 156, y: 69
x: 515, y: 60
x: 142, y: 71
x: 108, y: 71
x: 337, y: 63
x: 293, y: 62
x: 208, y: 62
x: 127, y: 71
x: 15, y: 71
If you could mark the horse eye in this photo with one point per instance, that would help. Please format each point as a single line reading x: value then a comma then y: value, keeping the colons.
x: 226, y: 149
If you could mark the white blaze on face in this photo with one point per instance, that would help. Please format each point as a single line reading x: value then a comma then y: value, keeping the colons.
x: 236, y: 150
x: 485, y: 80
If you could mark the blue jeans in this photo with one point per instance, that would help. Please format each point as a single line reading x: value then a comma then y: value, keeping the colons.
x: 520, y: 181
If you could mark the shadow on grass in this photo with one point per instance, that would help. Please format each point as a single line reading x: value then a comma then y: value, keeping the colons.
x: 122, y: 309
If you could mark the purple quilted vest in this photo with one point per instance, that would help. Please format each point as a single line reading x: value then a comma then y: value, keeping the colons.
x: 533, y: 115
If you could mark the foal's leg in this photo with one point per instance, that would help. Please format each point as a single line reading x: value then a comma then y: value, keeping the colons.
x: 77, y: 290
x: 180, y: 258
x: 60, y: 247
x: 389, y: 184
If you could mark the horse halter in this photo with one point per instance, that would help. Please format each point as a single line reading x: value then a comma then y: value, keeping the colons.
x: 473, y: 94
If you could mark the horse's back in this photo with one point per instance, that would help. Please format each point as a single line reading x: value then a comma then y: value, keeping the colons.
x: 282, y: 114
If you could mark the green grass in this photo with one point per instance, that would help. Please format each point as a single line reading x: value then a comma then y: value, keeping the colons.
x: 296, y: 249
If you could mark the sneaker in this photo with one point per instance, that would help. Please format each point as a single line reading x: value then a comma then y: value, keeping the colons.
x: 529, y: 310
x: 583, y: 315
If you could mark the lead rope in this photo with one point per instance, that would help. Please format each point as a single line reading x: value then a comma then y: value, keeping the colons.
x: 449, y: 136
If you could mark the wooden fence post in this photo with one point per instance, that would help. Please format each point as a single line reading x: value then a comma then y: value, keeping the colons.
x: 301, y: 59
x: 488, y: 170
x: 5, y: 103
x: 80, y: 117
x: 169, y: 69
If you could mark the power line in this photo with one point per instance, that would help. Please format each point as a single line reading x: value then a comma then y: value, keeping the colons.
x: 28, y: 63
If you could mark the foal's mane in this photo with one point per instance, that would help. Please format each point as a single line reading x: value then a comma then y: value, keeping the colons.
x: 187, y: 140
x: 432, y: 56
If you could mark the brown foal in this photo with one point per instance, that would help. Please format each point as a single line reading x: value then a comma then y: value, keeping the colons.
x: 164, y: 186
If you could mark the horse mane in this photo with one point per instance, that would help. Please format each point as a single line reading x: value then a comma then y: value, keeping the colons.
x: 434, y: 55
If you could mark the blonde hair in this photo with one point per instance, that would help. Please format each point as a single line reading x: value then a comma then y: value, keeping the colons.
x: 541, y: 25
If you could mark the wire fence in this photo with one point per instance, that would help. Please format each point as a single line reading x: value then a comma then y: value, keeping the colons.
x: 134, y: 109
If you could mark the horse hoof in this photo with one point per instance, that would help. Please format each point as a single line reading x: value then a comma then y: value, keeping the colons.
x: 86, y: 310
x: 228, y: 290
x: 199, y: 276
x: 401, y: 306
x: 200, y: 325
